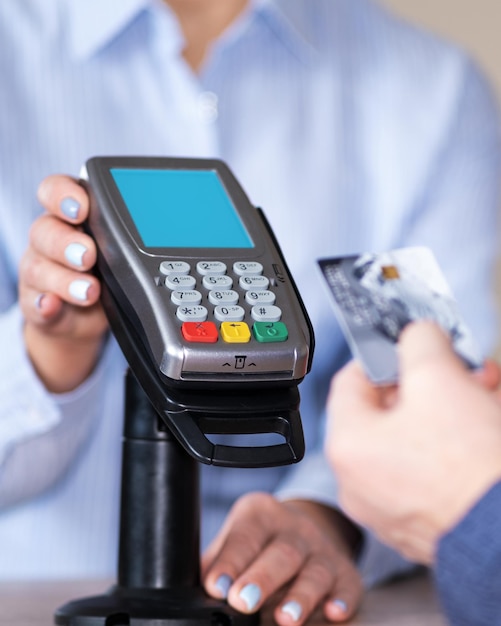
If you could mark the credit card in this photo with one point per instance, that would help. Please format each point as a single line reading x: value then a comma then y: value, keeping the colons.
x: 376, y: 295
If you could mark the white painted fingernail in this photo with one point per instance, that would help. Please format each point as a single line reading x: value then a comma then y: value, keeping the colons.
x: 293, y: 608
x: 38, y: 300
x: 79, y: 288
x: 223, y: 584
x: 251, y: 595
x: 70, y: 207
x: 341, y: 604
x: 74, y: 253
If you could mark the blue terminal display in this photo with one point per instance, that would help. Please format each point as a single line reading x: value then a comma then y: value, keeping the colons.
x: 181, y: 208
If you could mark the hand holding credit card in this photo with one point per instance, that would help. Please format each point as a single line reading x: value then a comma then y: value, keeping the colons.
x: 376, y: 295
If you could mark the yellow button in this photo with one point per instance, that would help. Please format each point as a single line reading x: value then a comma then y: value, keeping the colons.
x: 235, y: 332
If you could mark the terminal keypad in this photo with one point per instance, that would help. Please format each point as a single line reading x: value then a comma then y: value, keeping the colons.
x: 212, y: 302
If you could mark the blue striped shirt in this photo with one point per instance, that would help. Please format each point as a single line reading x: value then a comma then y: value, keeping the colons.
x: 353, y: 131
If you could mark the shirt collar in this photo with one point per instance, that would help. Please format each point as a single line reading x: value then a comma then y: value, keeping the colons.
x: 92, y: 24
x: 293, y: 22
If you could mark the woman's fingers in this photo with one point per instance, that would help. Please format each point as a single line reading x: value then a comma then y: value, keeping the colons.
x: 40, y: 275
x: 63, y: 197
x: 62, y: 243
x: 329, y: 579
x: 267, y: 548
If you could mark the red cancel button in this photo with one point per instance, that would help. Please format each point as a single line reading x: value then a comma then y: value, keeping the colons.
x: 200, y: 332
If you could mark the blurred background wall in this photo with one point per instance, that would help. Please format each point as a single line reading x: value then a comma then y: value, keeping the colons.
x: 476, y: 26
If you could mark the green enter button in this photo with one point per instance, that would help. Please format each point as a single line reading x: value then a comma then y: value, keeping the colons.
x: 270, y: 331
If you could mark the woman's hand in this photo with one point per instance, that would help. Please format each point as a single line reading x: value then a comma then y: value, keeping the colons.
x: 58, y: 295
x: 299, y: 550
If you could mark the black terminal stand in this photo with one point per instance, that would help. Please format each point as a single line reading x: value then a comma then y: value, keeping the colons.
x: 158, y: 582
x: 158, y: 569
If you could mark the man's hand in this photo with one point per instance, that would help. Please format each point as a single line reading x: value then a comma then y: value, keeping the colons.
x: 58, y: 295
x: 297, y: 549
x: 412, y: 460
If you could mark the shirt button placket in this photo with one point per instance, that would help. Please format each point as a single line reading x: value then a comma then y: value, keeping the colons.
x: 207, y: 107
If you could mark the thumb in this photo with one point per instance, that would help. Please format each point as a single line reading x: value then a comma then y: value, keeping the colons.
x: 424, y: 344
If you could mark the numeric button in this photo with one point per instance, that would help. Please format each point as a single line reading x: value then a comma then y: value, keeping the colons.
x: 229, y: 313
x: 174, y: 267
x: 223, y: 297
x: 217, y: 282
x: 248, y: 268
x: 253, y: 282
x: 186, y: 297
x: 180, y: 282
x: 259, y: 297
x: 215, y: 268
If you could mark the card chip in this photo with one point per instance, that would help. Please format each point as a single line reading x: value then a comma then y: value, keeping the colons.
x: 390, y: 272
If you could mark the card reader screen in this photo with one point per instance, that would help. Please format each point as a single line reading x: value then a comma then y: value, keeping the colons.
x: 181, y: 208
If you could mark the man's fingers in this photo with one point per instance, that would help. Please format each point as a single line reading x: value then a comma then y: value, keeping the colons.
x: 423, y: 345
x: 351, y: 394
x: 63, y: 197
x: 352, y: 399
x: 489, y: 377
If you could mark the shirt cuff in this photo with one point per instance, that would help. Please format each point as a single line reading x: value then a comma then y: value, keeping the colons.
x: 38, y: 429
x: 26, y: 408
x: 468, y: 563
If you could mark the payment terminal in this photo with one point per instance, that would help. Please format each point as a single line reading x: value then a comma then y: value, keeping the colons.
x: 201, y: 301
